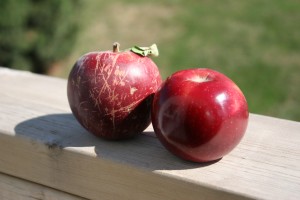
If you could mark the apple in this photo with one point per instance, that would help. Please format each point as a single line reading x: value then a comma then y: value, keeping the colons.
x: 199, y: 114
x: 110, y: 93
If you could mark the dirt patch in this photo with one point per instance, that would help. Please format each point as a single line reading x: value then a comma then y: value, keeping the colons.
x: 134, y: 24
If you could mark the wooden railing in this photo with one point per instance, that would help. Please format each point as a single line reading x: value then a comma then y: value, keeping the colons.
x: 46, y: 154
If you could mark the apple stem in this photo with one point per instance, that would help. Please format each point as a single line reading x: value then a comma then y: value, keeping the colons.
x: 146, y: 51
x: 116, y: 47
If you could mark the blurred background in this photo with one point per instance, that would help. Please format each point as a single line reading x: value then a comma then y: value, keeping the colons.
x: 256, y: 43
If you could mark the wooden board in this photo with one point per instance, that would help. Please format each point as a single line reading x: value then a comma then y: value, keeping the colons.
x: 40, y: 141
x: 12, y: 188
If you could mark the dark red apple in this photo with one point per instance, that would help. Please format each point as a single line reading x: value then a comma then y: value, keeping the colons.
x: 110, y: 92
x: 199, y: 114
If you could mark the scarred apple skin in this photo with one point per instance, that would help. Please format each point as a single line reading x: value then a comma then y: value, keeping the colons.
x: 110, y: 93
x: 199, y: 114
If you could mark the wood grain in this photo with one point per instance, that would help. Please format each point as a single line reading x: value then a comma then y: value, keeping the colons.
x: 40, y: 141
x: 12, y: 188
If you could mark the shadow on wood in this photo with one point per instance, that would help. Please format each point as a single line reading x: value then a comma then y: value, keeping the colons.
x: 62, y: 131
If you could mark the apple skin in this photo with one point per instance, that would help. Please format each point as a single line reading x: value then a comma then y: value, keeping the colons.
x: 199, y: 114
x: 110, y: 93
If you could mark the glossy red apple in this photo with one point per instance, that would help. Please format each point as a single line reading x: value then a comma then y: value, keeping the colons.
x: 110, y: 92
x: 199, y: 114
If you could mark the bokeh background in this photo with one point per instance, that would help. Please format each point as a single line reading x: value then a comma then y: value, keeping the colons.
x: 256, y: 43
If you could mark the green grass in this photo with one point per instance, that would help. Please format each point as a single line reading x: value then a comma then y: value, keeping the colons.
x: 256, y: 43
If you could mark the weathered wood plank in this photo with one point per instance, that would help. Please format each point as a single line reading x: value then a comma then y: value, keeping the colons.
x: 12, y: 188
x: 42, y: 142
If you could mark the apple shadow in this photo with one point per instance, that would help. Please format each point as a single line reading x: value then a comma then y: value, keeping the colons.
x: 63, y: 131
